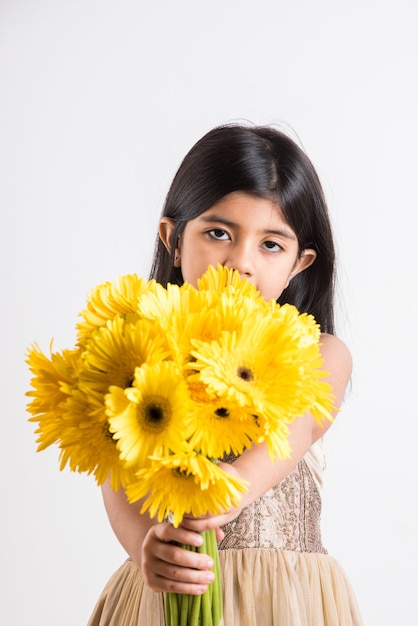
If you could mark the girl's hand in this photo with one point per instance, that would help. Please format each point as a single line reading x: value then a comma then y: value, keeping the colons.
x: 207, y: 522
x: 166, y: 566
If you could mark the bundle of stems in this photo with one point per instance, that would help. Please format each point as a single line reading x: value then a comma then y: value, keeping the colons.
x: 202, y: 610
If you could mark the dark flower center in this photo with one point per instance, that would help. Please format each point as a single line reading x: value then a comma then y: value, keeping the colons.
x: 192, y: 359
x: 245, y: 374
x: 154, y: 414
x: 222, y: 412
x: 108, y: 433
x: 178, y: 473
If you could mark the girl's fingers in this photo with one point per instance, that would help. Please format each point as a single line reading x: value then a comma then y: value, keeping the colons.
x: 167, y: 566
x: 167, y: 532
x: 199, y: 524
x: 159, y: 583
x: 169, y: 577
x: 173, y: 557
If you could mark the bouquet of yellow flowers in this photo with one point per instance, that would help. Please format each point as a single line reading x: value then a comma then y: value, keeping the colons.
x: 163, y: 382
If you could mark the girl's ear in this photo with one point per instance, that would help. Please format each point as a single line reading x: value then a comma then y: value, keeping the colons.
x: 305, y: 260
x: 166, y: 230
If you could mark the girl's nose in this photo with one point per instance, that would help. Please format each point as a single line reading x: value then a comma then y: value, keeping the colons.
x: 241, y: 259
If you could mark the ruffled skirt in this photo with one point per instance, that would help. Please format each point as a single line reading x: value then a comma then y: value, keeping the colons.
x: 262, y: 587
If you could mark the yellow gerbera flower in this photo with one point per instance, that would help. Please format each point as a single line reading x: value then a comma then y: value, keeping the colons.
x: 87, y: 444
x: 153, y: 416
x: 53, y: 381
x: 185, y: 313
x: 204, y: 325
x: 232, y: 297
x: 301, y: 326
x: 185, y: 483
x: 173, y: 310
x: 298, y: 336
x: 114, y: 352
x: 267, y: 368
x: 111, y: 299
x: 233, y: 308
x: 230, y: 368
x: 162, y: 303
x: 222, y: 279
x: 222, y: 426
x: 181, y: 313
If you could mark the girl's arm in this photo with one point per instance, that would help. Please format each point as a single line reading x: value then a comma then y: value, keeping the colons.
x: 255, y: 465
x: 167, y: 567
x: 152, y: 547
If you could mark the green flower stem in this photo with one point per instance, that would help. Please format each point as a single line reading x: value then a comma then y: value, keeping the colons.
x: 166, y: 610
x: 206, y: 610
x: 195, y: 611
x: 217, y: 583
x: 203, y: 610
x: 184, y: 611
x: 173, y: 618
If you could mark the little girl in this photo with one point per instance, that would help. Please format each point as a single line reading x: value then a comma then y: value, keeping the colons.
x: 247, y: 198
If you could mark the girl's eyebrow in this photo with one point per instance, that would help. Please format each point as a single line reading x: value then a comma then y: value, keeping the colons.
x: 282, y: 232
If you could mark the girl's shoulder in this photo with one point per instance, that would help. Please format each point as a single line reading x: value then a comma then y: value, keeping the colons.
x: 334, y: 344
x: 336, y: 356
x: 337, y: 363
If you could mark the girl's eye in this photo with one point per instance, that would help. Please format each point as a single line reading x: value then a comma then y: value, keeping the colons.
x: 218, y: 233
x: 272, y: 246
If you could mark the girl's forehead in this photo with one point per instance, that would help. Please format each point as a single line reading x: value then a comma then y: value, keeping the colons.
x: 237, y: 199
x: 240, y: 206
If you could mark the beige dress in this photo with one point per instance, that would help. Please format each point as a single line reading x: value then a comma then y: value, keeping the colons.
x: 275, y: 570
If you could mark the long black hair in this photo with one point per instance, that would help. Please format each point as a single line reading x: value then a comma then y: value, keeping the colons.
x: 266, y: 163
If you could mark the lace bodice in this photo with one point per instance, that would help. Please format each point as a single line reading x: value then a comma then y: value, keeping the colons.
x: 287, y: 517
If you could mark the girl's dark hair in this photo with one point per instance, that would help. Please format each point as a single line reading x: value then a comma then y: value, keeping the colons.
x: 266, y: 163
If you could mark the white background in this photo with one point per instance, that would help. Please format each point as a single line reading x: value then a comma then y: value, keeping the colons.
x: 99, y: 102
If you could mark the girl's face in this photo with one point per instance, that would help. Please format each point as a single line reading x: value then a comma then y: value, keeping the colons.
x: 243, y: 232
